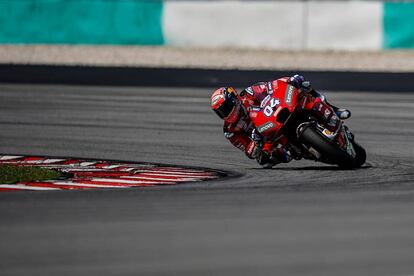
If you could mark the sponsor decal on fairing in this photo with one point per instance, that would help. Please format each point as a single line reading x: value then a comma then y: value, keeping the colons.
x: 265, y: 100
x: 265, y: 127
x: 269, y: 88
x: 289, y: 94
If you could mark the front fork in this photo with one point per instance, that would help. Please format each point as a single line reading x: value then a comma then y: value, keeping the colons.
x: 332, y: 127
x: 341, y: 136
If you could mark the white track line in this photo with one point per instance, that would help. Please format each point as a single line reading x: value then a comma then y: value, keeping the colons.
x: 110, y: 167
x: 126, y: 181
x: 41, y: 162
x: 78, y: 184
x: 51, y: 161
x: 162, y: 179
x: 10, y: 157
x: 25, y: 187
x: 178, y: 175
x: 87, y: 164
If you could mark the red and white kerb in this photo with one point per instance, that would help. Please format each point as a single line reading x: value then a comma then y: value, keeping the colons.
x: 96, y: 174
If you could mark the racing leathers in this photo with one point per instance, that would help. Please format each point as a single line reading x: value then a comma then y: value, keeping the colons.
x: 242, y: 133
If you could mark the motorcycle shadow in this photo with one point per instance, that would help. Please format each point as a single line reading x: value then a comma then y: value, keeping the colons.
x: 314, y: 168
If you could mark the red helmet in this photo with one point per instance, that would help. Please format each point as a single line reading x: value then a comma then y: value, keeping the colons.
x: 226, y: 103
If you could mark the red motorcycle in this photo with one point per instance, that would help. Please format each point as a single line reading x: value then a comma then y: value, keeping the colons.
x: 312, y: 133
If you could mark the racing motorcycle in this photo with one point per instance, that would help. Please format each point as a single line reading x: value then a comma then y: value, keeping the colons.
x: 314, y: 134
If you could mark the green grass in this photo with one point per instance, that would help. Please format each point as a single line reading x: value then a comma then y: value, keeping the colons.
x: 10, y: 174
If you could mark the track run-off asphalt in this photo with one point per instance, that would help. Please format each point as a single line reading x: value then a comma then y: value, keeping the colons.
x: 301, y: 218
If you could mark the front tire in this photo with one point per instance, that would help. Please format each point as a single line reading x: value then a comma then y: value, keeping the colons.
x: 330, y: 153
x: 361, y: 155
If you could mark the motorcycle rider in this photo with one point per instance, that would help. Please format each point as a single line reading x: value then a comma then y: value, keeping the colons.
x: 237, y: 109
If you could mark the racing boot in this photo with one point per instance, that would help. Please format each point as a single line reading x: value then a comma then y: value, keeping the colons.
x: 281, y: 155
x: 342, y: 113
x: 264, y: 159
x: 268, y: 160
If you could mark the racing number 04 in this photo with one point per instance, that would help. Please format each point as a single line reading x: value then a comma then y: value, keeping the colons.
x: 268, y: 110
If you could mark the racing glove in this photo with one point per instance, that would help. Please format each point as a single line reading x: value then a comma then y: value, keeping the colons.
x: 256, y: 136
x: 299, y: 82
x: 281, y: 155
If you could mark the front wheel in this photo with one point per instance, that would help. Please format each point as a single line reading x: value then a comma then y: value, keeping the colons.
x: 330, y: 152
x: 361, y: 154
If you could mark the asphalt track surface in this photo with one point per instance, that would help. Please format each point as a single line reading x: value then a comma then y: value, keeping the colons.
x: 301, y: 218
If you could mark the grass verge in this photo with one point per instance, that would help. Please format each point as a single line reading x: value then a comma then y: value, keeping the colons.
x: 10, y: 174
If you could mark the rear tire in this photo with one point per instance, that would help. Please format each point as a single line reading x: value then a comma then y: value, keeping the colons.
x: 331, y: 154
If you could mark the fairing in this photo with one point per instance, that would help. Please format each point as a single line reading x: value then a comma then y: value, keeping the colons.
x: 275, y: 109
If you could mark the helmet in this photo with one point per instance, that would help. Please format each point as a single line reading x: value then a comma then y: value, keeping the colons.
x: 225, y: 103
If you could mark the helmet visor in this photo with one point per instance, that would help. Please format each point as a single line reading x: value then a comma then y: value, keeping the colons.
x: 225, y: 109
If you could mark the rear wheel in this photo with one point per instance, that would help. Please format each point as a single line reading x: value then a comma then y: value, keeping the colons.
x: 330, y: 153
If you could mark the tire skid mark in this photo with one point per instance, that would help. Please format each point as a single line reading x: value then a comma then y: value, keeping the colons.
x: 81, y: 174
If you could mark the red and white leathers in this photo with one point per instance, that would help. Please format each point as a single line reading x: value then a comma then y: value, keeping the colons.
x: 240, y: 131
